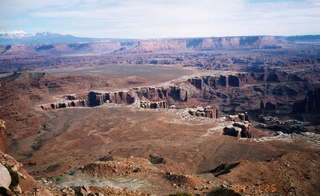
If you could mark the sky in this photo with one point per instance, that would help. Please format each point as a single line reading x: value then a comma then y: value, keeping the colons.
x: 161, y: 18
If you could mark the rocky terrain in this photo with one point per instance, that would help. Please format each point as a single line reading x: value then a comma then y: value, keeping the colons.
x: 200, y: 116
x: 311, y: 104
x: 227, y: 91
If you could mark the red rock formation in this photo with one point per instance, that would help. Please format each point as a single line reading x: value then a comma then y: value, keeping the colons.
x: 238, y: 129
x: 209, y: 112
x: 171, y: 94
x: 141, y: 46
x: 21, y: 182
x: 235, y: 42
x: 161, y: 45
x: 311, y: 104
x: 213, y: 89
x: 120, y: 97
x: 95, y: 99
x: 65, y: 104
x: 153, y: 105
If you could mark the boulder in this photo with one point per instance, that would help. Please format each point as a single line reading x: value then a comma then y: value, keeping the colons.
x: 223, y: 169
x: 232, y: 131
x: 5, y: 178
x: 238, y: 129
x: 154, y: 159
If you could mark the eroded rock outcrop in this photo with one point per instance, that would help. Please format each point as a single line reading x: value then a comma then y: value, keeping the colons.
x: 93, y: 99
x: 240, y: 79
x: 209, y: 112
x: 5, y: 178
x: 267, y: 106
x: 14, y: 180
x: 118, y: 97
x: 153, y: 104
x: 65, y: 104
x: 236, y: 42
x: 285, y: 126
x: 240, y: 127
x: 207, y: 43
x: 311, y: 104
x: 171, y: 93
x: 228, y: 91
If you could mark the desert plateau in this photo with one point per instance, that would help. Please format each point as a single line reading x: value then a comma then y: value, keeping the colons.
x: 174, y: 115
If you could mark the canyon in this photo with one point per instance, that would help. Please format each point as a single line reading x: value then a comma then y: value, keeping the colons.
x: 200, y: 116
x: 271, y: 91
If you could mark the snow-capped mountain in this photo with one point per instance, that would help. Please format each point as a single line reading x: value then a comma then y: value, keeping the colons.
x: 14, y: 34
x: 21, y: 37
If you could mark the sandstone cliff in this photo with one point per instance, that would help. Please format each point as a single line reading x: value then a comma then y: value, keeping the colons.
x: 311, y: 104
x: 236, y: 42
x: 142, y: 46
x: 240, y: 42
x: 229, y: 92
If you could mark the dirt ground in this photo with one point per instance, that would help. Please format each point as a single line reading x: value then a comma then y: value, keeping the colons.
x: 55, y: 143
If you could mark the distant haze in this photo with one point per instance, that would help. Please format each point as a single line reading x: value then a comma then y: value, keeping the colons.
x: 161, y: 18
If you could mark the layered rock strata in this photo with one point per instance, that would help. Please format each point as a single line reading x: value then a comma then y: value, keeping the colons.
x: 311, y: 104
x: 238, y: 129
x: 228, y: 91
x: 209, y: 112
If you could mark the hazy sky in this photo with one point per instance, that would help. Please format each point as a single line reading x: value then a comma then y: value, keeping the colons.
x: 161, y: 18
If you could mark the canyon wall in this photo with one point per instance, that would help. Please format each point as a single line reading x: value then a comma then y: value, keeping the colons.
x: 254, y: 42
x: 60, y: 49
x: 236, y: 42
x: 161, y: 45
x: 311, y: 103
x: 119, y: 97
x: 138, y: 46
x: 229, y: 92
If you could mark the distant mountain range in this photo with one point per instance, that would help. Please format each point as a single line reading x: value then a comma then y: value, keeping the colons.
x: 21, y: 37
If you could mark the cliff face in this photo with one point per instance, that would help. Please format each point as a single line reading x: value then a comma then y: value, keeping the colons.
x: 57, y: 49
x: 138, y: 46
x: 171, y: 94
x: 161, y: 45
x: 121, y: 97
x: 236, y: 42
x: 149, y: 97
x: 238, y: 80
x: 209, y: 43
x: 311, y: 104
x: 209, y: 112
x: 229, y: 92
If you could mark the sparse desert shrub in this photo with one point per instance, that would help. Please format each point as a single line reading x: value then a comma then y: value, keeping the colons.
x: 223, y: 192
x: 14, y: 178
x: 52, y: 168
x: 36, y: 146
